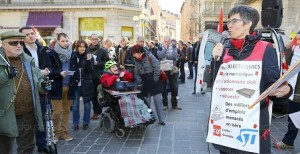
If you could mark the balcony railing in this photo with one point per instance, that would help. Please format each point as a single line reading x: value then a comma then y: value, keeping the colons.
x: 13, y: 3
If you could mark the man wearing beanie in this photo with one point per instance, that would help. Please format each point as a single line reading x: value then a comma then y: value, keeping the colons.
x: 20, y: 84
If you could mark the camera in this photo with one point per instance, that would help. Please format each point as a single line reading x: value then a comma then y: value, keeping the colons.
x: 11, y: 71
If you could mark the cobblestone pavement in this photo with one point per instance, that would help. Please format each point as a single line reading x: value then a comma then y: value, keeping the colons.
x: 184, y: 132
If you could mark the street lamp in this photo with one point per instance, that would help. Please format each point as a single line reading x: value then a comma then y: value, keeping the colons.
x: 144, y: 18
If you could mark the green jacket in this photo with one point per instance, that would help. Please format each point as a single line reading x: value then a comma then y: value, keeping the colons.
x: 8, y: 124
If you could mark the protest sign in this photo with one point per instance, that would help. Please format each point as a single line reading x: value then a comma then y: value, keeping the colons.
x: 231, y: 123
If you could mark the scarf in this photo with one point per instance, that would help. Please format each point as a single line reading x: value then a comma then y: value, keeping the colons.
x: 64, y: 53
x: 94, y: 48
x: 237, y: 43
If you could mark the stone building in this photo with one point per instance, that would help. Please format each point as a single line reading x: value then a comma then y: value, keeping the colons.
x: 190, y: 20
x: 79, y: 18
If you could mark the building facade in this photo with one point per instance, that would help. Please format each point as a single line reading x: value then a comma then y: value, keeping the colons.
x: 79, y: 18
x: 169, y: 25
x: 209, y: 11
x: 190, y: 20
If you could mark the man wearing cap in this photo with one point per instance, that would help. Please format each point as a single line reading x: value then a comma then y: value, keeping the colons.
x: 21, y: 82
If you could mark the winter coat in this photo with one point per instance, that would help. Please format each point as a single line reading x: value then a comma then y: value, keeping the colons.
x: 196, y: 49
x: 270, y: 73
x: 154, y: 51
x: 107, y: 79
x: 57, y: 84
x: 147, y: 72
x: 85, y: 76
x: 164, y: 53
x: 8, y: 123
x: 125, y: 56
x: 102, y: 58
x: 42, y: 52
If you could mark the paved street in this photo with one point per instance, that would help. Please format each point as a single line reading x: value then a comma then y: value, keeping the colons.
x: 184, y: 132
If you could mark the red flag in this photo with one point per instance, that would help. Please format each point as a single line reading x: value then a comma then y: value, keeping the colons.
x: 220, y: 25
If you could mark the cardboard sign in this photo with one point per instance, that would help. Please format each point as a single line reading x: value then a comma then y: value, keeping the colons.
x: 231, y: 123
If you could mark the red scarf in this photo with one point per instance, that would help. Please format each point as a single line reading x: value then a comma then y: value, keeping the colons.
x: 237, y: 43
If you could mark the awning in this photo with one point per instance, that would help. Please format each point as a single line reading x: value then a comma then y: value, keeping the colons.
x: 45, y: 19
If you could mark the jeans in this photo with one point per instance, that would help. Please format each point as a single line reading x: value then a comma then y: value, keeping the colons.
x: 190, y: 65
x: 292, y: 132
x: 25, y: 140
x: 75, y: 109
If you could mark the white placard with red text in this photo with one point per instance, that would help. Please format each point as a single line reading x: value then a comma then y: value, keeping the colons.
x: 231, y: 123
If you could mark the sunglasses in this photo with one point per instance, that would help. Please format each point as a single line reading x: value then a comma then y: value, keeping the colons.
x: 14, y: 43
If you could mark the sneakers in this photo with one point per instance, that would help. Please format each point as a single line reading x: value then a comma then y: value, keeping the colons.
x: 96, y: 116
x: 66, y: 137
x: 282, y: 145
x: 165, y: 108
x: 177, y: 97
x: 189, y: 77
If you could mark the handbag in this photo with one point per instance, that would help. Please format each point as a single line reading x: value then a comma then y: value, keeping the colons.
x: 166, y: 65
x: 163, y: 76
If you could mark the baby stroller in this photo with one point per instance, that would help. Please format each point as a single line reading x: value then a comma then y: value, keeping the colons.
x: 124, y: 111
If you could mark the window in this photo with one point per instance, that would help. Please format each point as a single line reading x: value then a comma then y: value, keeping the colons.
x: 213, y: 8
x: 89, y: 26
x: 127, y: 32
x: 217, y: 7
x: 208, y: 8
x: 226, y: 7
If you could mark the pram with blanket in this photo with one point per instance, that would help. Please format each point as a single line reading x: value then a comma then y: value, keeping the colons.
x: 124, y: 110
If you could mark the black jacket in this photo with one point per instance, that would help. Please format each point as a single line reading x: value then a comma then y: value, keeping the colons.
x: 154, y: 51
x: 42, y: 52
x: 196, y: 49
x: 102, y: 58
x: 57, y: 85
x: 87, y: 90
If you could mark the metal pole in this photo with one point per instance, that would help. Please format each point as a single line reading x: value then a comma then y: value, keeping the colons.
x: 143, y: 28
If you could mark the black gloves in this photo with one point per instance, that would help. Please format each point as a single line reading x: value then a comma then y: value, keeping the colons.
x: 46, y: 84
x: 11, y: 71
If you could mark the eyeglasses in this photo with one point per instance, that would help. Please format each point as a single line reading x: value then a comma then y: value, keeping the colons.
x: 233, y: 21
x: 15, y: 43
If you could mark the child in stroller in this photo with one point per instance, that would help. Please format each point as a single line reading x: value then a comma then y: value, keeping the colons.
x: 124, y: 108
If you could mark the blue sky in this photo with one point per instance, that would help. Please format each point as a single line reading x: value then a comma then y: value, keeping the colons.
x: 171, y: 5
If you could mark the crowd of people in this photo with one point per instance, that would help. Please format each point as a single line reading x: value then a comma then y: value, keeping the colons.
x: 77, y: 68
